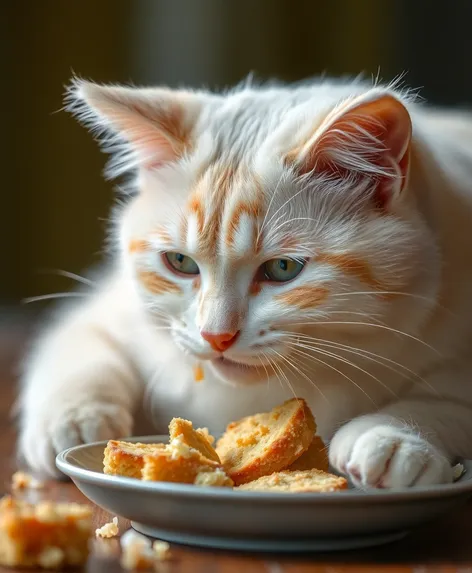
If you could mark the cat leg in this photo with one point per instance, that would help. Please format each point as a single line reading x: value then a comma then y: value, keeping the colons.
x: 413, y: 441
x: 79, y: 387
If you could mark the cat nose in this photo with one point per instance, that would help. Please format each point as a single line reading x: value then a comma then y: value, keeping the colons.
x: 220, y: 342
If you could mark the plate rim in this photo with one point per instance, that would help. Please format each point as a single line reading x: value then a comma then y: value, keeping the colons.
x: 416, y: 493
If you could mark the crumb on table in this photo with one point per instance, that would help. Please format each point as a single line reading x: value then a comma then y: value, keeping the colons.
x: 108, y: 530
x: 22, y: 480
x: 139, y: 552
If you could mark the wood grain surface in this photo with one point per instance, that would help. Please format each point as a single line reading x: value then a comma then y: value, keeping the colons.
x: 444, y: 546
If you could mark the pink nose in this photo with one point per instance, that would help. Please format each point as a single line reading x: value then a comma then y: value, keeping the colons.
x: 220, y: 342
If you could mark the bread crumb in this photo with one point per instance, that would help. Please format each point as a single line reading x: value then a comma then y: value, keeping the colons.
x: 198, y: 374
x: 22, y: 480
x: 138, y: 552
x: 161, y: 550
x: 216, y: 477
x: 458, y: 471
x: 179, y: 449
x: 108, y: 530
x: 206, y: 434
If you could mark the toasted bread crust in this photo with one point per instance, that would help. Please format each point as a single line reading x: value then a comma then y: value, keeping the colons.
x: 180, y: 463
x: 260, y: 445
x: 196, y: 439
x: 126, y: 458
x: 315, y: 457
x: 315, y: 481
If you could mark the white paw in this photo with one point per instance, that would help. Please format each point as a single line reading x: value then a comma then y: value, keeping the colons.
x: 46, y: 433
x: 385, y: 456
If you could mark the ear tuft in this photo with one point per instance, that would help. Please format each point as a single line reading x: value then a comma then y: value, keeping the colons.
x: 145, y: 128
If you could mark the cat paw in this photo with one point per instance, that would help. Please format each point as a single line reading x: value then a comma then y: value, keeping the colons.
x: 385, y: 456
x: 45, y: 435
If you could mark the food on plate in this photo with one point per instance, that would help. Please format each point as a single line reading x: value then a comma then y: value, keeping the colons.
x: 47, y: 534
x: 198, y: 439
x: 277, y: 450
x: 126, y: 458
x: 265, y: 443
x: 180, y: 463
x: 297, y: 482
x: 315, y: 457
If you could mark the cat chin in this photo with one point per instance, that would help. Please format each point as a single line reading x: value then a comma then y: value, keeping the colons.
x: 237, y: 374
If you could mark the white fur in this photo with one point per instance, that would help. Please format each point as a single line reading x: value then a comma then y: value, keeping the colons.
x: 400, y: 415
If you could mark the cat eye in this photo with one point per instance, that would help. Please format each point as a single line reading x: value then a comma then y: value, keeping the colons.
x: 181, y: 263
x: 282, y: 270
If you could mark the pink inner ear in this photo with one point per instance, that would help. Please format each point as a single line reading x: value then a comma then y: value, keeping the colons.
x: 156, y: 135
x: 370, y: 138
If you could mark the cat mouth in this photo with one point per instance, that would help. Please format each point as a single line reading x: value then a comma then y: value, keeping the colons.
x: 238, y: 372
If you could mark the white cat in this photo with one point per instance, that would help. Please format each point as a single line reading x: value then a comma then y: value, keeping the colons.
x: 311, y: 240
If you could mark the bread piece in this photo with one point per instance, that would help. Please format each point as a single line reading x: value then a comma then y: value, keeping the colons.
x: 48, y: 535
x: 259, y: 445
x: 199, y: 439
x: 297, y: 482
x: 316, y: 457
x: 179, y: 463
x: 22, y: 480
x: 126, y: 459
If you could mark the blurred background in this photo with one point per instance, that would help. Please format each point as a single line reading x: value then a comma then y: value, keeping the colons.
x: 55, y: 201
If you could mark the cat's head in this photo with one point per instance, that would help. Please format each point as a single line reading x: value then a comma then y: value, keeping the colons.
x: 269, y: 225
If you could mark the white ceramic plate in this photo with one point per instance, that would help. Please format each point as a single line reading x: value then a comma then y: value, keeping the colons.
x: 256, y: 521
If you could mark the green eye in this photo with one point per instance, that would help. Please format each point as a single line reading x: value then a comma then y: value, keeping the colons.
x: 282, y: 270
x: 182, y: 263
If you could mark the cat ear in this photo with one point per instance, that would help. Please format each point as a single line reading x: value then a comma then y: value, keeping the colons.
x: 368, y: 137
x: 145, y: 128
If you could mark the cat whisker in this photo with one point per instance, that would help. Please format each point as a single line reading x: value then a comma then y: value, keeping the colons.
x: 311, y: 357
x: 382, y: 326
x: 414, y: 376
x: 394, y: 293
x: 282, y: 373
x: 297, y: 369
x: 360, y: 351
x: 275, y: 369
x: 345, y: 361
x: 268, y: 207
x: 55, y: 295
x: 264, y: 366
x: 69, y: 275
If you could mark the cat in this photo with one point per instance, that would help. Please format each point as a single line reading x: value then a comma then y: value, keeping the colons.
x: 310, y: 240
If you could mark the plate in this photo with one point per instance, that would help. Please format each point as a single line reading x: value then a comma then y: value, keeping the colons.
x: 223, y: 518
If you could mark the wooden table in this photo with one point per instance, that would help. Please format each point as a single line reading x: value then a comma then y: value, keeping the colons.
x: 445, y: 546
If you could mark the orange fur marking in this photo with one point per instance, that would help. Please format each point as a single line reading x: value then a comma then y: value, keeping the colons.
x: 253, y: 210
x: 197, y: 281
x: 196, y: 207
x: 304, y: 296
x: 351, y: 266
x: 157, y: 284
x: 138, y: 246
x: 255, y: 288
x: 163, y: 234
